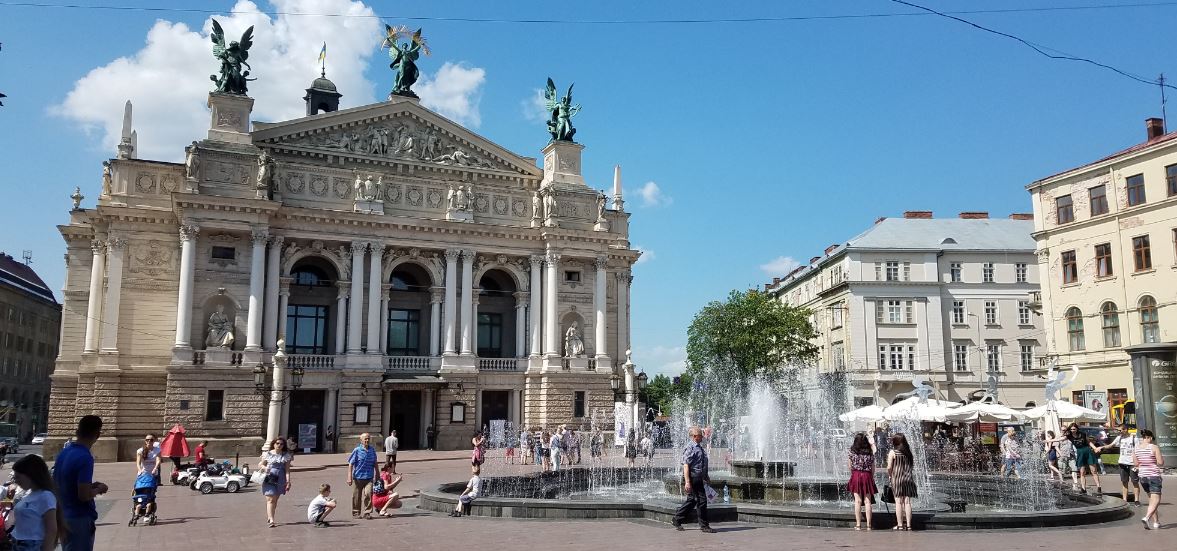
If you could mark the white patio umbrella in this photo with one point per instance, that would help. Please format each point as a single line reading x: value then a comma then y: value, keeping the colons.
x: 1066, y: 410
x: 868, y: 414
x: 911, y: 408
x: 983, y: 411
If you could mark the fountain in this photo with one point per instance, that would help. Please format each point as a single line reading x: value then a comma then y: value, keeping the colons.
x: 779, y: 452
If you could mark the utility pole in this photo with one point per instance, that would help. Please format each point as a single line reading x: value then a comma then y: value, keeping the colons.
x: 1161, y: 84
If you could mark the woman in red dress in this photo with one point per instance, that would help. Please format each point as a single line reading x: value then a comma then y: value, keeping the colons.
x: 386, y: 499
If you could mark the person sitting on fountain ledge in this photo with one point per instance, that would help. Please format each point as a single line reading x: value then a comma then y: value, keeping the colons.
x: 695, y: 480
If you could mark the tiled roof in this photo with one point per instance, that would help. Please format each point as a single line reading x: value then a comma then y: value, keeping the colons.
x: 22, y: 278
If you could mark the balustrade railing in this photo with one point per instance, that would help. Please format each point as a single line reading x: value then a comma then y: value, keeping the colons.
x: 235, y: 358
x: 197, y: 357
x: 408, y: 363
x: 311, y: 361
x: 592, y: 364
x: 498, y: 364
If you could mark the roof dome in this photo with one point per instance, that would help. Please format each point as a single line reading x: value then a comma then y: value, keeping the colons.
x: 322, y: 83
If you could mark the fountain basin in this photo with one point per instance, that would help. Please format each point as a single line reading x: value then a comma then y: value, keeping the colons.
x: 763, y: 469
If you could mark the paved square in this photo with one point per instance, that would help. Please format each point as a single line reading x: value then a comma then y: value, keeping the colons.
x: 223, y: 521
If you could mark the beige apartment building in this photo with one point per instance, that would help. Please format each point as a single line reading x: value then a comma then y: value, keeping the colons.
x: 948, y: 299
x: 422, y: 278
x: 1106, y: 233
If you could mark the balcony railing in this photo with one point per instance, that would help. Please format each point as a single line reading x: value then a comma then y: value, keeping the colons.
x: 498, y: 364
x: 408, y: 363
x: 313, y: 362
x: 197, y: 357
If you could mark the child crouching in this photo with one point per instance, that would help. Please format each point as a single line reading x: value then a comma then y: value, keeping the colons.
x: 321, y: 506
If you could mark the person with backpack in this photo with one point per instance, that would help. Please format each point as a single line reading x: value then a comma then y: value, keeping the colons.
x: 1129, y: 475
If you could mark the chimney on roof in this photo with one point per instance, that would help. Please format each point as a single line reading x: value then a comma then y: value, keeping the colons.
x: 881, y: 218
x: 776, y: 281
x: 831, y: 248
x: 1021, y: 216
x: 814, y: 259
x: 917, y: 214
x: 974, y: 215
x: 1155, y: 127
x: 767, y: 286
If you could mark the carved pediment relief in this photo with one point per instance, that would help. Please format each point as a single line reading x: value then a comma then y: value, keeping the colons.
x: 397, y: 133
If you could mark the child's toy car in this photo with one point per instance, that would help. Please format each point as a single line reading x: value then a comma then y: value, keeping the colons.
x: 209, y: 481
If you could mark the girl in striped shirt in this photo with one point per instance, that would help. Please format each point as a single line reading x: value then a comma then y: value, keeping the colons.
x: 1148, y: 461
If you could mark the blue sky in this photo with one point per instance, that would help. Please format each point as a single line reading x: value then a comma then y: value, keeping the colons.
x: 750, y: 141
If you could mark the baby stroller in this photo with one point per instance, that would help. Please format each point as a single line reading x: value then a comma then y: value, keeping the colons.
x: 143, y: 500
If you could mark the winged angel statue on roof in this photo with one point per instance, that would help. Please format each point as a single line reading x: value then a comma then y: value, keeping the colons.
x: 562, y: 110
x: 233, y: 79
x: 404, y: 57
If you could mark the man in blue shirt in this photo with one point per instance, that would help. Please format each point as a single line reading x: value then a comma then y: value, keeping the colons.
x: 73, y: 473
x: 363, y: 469
x: 695, y: 480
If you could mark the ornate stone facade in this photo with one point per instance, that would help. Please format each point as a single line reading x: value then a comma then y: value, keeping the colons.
x: 401, y: 304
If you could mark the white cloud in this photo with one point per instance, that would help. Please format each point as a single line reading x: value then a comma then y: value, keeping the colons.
x: 535, y: 107
x: 652, y: 196
x: 454, y: 91
x: 647, y: 254
x: 780, y: 266
x: 168, y: 81
x: 667, y: 360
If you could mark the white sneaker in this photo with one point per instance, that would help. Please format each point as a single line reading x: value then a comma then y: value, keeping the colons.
x: 1156, y: 526
x: 1145, y: 522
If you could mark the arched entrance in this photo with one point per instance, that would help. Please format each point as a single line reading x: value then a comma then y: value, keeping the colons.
x: 408, y: 316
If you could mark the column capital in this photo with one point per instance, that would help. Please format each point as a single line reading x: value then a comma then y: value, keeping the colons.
x: 384, y: 290
x: 521, y: 298
x: 342, y: 289
x: 552, y: 258
x: 259, y: 235
x: 188, y: 232
x: 474, y: 294
x: 276, y: 242
x: 116, y: 244
x: 358, y: 247
x: 624, y: 276
x: 468, y: 255
x: 377, y: 247
x: 98, y: 246
x: 284, y: 285
x: 600, y: 262
x: 436, y: 295
x: 536, y: 260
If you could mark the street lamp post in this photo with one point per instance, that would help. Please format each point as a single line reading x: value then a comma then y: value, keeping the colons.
x: 278, y: 393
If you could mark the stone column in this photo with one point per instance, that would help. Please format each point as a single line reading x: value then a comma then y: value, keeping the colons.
x: 375, y: 270
x: 467, y: 301
x: 385, y: 289
x: 342, y: 288
x: 451, y: 298
x: 521, y: 324
x: 117, y: 247
x: 329, y: 420
x: 257, y: 268
x: 436, y: 295
x: 94, y: 302
x: 475, y: 294
x: 355, y: 308
x: 534, y: 310
x: 600, y: 346
x: 270, y: 329
x: 274, y: 415
x: 283, y: 306
x: 551, y: 308
x: 623, y: 281
x: 188, y: 233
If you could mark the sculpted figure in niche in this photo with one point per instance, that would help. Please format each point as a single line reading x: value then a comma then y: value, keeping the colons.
x: 220, y: 330
x: 573, y: 343
x: 265, y: 170
x: 107, y: 176
x: 459, y: 199
x: 432, y: 148
x: 550, y: 208
x: 406, y: 143
x: 601, y: 207
x: 191, y: 162
x: 371, y: 189
x: 535, y: 207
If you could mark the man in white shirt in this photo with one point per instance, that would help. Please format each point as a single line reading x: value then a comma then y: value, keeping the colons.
x: 1129, y: 476
x: 556, y: 445
x: 390, y: 445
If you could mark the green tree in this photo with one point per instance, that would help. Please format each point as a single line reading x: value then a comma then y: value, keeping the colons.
x: 751, y: 335
x: 661, y: 391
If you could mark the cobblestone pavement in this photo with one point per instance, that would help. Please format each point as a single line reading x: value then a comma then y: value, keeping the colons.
x: 222, y: 521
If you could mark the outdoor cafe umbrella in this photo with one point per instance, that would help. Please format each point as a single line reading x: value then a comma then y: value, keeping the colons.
x: 984, y: 411
x: 911, y: 408
x: 174, y: 444
x: 1066, y: 410
x: 869, y: 414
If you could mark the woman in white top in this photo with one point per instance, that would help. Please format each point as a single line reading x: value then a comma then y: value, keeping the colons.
x: 1148, y: 460
x: 147, y: 457
x: 36, y: 514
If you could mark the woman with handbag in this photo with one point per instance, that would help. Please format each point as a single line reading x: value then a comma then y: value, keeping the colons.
x: 276, y: 464
x: 862, y: 479
x: 899, y: 474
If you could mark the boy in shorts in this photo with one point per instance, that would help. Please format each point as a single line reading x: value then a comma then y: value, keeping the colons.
x: 321, y: 506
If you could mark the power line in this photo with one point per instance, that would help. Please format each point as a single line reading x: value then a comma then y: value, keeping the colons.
x: 1040, y: 49
x: 778, y: 19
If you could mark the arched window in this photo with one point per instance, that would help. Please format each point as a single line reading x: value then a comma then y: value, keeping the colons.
x: 403, y: 281
x: 1111, y: 325
x: 309, y: 276
x: 1075, y: 329
x: 1150, y: 327
x: 1031, y: 404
